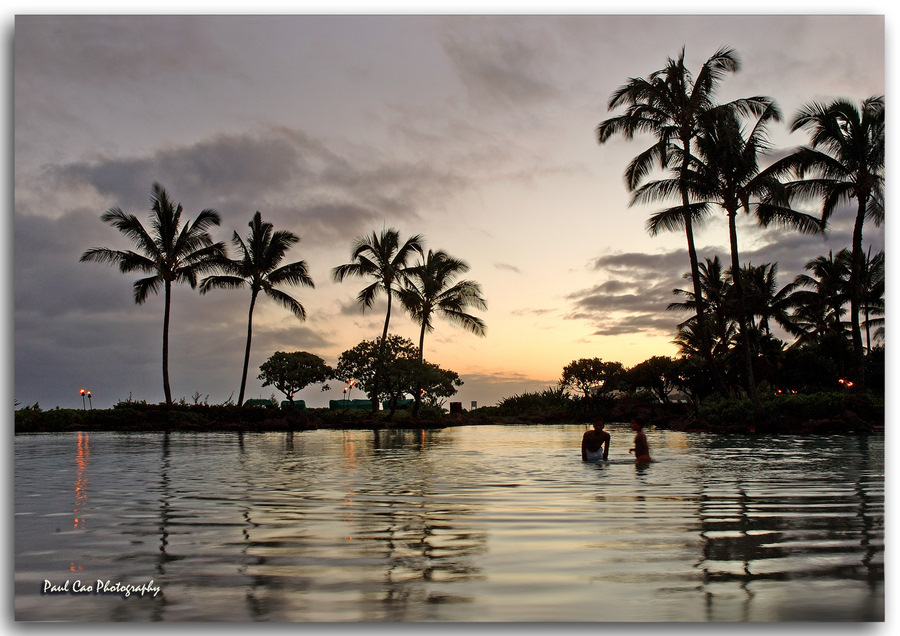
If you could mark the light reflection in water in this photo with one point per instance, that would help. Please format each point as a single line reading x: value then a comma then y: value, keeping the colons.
x: 82, y: 459
x: 479, y: 523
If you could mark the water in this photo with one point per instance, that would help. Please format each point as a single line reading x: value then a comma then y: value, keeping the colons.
x: 482, y: 523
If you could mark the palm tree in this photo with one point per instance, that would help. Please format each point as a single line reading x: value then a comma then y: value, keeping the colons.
x: 668, y: 104
x: 430, y: 289
x: 872, y: 297
x: 727, y: 174
x: 764, y: 300
x: 819, y: 305
x: 384, y: 259
x: 844, y: 161
x: 169, y: 254
x: 259, y: 266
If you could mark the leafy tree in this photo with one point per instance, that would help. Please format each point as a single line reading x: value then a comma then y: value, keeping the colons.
x: 591, y: 375
x: 844, y: 161
x: 392, y: 371
x: 658, y: 374
x: 259, y: 266
x: 169, y: 252
x: 292, y: 372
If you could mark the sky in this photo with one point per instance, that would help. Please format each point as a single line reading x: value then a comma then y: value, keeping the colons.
x: 476, y: 131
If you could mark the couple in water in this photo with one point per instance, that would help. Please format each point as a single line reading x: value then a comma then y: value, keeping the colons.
x: 595, y: 443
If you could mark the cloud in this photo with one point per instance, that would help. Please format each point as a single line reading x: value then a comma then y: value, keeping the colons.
x: 293, y: 179
x: 506, y: 267
x: 499, y: 63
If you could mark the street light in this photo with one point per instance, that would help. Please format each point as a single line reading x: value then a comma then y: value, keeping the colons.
x: 89, y: 400
x: 83, y: 405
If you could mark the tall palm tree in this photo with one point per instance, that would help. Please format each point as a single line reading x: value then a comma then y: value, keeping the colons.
x: 259, y: 266
x: 668, y: 104
x: 844, y: 161
x: 169, y: 252
x: 383, y: 259
x: 432, y: 289
x: 726, y: 173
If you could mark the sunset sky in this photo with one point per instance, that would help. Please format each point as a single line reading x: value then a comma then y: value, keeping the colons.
x: 476, y: 131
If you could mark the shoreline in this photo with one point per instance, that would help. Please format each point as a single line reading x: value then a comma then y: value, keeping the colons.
x: 213, y: 419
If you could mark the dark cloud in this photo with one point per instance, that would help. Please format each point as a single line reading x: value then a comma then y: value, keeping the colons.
x: 291, y: 178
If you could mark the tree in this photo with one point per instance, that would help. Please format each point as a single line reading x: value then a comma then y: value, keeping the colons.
x: 764, y: 300
x: 658, y: 374
x: 259, y: 266
x: 844, y: 161
x: 819, y: 306
x: 591, y: 375
x: 392, y: 371
x: 716, y: 288
x: 431, y: 289
x: 872, y: 295
x: 669, y: 104
x: 726, y: 173
x: 169, y: 252
x: 383, y: 259
x: 292, y: 372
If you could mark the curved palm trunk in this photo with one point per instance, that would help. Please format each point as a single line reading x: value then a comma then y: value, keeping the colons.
x: 742, y: 309
x: 247, y: 350
x: 165, y: 343
x: 856, y: 259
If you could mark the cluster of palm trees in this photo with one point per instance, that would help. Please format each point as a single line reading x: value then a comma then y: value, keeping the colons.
x: 425, y: 288
x: 812, y: 309
x: 713, y: 155
x: 171, y: 252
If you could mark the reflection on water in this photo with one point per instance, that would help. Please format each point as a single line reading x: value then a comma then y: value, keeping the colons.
x: 477, y: 523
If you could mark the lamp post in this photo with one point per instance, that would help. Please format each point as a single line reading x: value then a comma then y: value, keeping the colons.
x: 83, y: 405
x: 89, y: 400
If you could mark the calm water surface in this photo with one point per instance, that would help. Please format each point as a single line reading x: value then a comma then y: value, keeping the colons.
x: 482, y: 523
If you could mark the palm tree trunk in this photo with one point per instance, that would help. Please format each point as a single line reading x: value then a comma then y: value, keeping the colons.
x: 165, y: 343
x: 384, y: 335
x: 706, y: 343
x: 247, y: 350
x: 742, y: 309
x: 418, y: 396
x: 856, y: 258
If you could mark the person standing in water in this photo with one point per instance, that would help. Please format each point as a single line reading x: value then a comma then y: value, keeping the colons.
x: 641, y: 449
x: 595, y: 443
